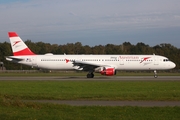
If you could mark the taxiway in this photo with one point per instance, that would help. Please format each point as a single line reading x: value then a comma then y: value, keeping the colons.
x: 100, y: 78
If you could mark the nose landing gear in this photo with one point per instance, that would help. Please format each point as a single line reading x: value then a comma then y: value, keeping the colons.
x: 155, y: 74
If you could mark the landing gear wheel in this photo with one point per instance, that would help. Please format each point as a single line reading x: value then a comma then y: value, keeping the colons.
x: 155, y: 74
x: 90, y: 75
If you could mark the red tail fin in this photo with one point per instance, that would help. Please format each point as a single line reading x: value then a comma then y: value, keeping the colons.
x: 18, y: 46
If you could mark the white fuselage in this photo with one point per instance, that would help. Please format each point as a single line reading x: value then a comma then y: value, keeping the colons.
x: 119, y: 62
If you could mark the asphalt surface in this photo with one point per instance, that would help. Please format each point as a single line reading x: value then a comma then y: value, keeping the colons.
x: 103, y: 78
x: 107, y: 78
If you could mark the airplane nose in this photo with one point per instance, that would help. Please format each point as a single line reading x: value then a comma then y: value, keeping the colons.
x: 170, y: 65
x: 173, y: 65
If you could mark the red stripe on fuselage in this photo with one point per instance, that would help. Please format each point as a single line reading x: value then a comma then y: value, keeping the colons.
x: 12, y: 34
x: 26, y: 51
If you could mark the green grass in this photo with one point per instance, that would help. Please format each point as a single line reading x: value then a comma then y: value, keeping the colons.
x: 12, y: 94
x: 13, y: 110
x: 92, y: 90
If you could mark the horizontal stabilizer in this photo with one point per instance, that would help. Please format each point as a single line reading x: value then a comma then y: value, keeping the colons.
x: 12, y: 58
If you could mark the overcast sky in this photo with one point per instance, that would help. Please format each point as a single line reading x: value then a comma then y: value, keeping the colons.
x: 92, y: 22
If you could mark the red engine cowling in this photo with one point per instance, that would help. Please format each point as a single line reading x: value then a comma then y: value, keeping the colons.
x: 108, y: 71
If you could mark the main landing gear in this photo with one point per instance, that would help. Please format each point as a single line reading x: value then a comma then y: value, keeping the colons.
x: 90, y: 75
x: 155, y: 74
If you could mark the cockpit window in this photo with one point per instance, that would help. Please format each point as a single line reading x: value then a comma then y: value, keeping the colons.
x: 165, y: 60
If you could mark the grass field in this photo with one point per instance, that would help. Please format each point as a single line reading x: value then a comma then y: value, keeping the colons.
x: 33, y: 111
x: 92, y: 90
x: 12, y: 94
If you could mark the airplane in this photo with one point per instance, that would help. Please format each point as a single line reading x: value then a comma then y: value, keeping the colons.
x: 103, y: 64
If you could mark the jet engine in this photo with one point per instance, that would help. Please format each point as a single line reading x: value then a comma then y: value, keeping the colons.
x: 108, y: 71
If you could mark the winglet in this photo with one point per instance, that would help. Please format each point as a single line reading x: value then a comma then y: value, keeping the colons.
x: 18, y: 46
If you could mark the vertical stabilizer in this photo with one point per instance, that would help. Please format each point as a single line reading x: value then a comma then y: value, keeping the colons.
x: 18, y: 46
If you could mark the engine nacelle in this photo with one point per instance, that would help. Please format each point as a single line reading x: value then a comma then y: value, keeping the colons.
x: 109, y: 71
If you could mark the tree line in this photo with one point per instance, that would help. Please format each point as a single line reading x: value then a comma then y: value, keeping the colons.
x: 164, y: 49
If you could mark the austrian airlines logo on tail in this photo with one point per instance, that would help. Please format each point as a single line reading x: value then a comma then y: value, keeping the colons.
x: 16, y: 42
x: 144, y: 59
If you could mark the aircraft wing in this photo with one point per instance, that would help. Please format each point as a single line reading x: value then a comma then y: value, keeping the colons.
x: 86, y: 66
